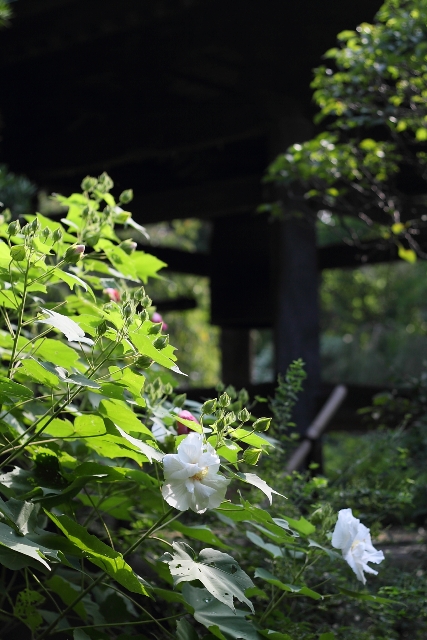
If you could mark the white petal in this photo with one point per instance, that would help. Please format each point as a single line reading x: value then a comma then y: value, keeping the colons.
x: 176, y: 495
x: 345, y: 530
x: 190, y: 449
x: 175, y: 469
x: 200, y: 498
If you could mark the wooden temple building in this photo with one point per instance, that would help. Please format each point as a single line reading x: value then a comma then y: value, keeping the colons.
x: 187, y: 101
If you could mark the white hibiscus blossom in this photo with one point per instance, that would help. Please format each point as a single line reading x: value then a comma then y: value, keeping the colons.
x: 354, y: 540
x: 191, y: 476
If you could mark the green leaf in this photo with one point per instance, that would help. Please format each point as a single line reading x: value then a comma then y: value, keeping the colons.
x: 89, y: 425
x: 114, y: 447
x: 274, y: 635
x: 421, y: 134
x: 333, y: 555
x: 302, y: 525
x: 217, y: 617
x: 99, y: 553
x: 55, y: 351
x: 248, y: 437
x: 254, y: 480
x: 367, y: 597
x: 22, y: 514
x: 408, y: 255
x: 272, y: 549
x: 123, y: 417
x: 146, y: 449
x: 9, y: 388
x: 9, y: 300
x: 185, y: 631
x: 247, y: 512
x: 291, y: 588
x: 219, y: 573
x: 21, y: 544
x: 35, y: 371
x: 68, y: 593
x: 145, y: 347
x: 146, y: 266
x: 25, y: 610
x: 327, y: 636
x: 72, y: 280
x: 82, y: 381
x: 199, y: 532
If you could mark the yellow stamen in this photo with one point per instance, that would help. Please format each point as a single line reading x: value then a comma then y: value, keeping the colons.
x: 199, y: 476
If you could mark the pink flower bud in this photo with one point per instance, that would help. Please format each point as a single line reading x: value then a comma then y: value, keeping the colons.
x: 113, y: 294
x: 74, y: 253
x: 182, y: 428
x: 156, y: 317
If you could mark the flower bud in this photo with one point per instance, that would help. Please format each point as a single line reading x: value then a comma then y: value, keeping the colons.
x: 18, y: 253
x: 155, y: 329
x: 74, y: 253
x: 35, y: 225
x: 262, y: 424
x: 113, y: 294
x: 102, y: 328
x: 139, y: 294
x: 182, y: 428
x: 128, y: 246
x: 57, y: 235
x: 128, y: 310
x: 46, y: 233
x: 161, y: 342
x: 126, y: 196
x: 156, y: 317
x: 168, y: 389
x: 146, y: 301
x: 143, y: 315
x: 243, y: 396
x: 209, y: 406
x: 26, y: 230
x: 85, y: 212
x: 89, y: 183
x: 243, y: 415
x: 144, y: 362
x: 180, y: 399
x: 224, y: 400
x: 14, y: 228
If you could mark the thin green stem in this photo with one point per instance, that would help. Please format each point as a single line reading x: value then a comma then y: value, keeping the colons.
x: 20, y: 320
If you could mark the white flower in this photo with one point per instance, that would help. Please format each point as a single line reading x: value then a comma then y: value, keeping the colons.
x: 71, y: 329
x: 191, y: 476
x: 354, y: 540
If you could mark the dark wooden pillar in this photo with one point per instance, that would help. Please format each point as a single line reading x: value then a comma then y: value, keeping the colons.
x: 236, y: 356
x: 296, y: 326
x: 297, y: 312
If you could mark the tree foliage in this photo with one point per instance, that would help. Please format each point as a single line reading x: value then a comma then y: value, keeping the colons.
x: 371, y: 160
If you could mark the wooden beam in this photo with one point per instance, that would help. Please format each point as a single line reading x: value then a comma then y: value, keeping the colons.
x: 206, y: 200
x: 175, y: 304
x: 182, y: 261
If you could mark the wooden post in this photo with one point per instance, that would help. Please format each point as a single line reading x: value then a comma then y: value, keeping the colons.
x: 296, y: 277
x: 236, y: 357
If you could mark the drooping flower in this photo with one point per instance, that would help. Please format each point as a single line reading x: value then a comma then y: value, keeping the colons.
x: 113, y: 294
x: 354, y: 540
x: 181, y: 428
x: 191, y: 475
x: 156, y: 317
x: 71, y: 329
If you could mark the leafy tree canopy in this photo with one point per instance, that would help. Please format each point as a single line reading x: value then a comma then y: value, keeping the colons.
x: 371, y: 160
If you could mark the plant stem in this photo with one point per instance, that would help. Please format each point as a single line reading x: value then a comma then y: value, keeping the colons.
x: 19, y: 326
